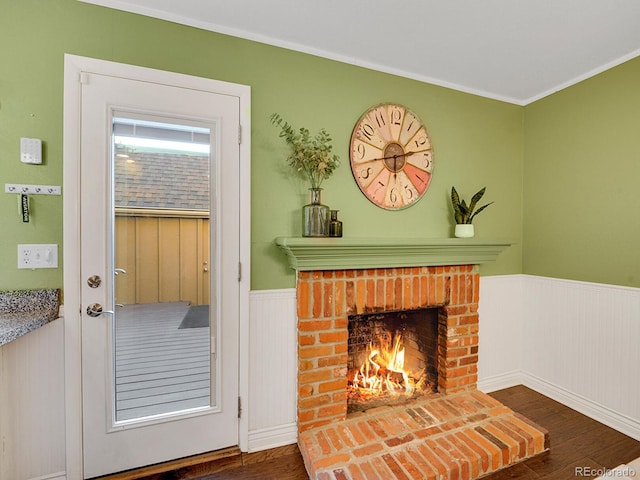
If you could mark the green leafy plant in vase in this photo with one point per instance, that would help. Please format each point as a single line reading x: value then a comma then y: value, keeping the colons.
x: 464, y: 214
x: 312, y: 158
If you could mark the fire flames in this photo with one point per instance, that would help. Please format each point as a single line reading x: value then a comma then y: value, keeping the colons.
x: 383, y: 372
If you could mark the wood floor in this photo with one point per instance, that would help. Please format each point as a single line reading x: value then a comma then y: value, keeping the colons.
x: 160, y: 368
x: 576, y: 442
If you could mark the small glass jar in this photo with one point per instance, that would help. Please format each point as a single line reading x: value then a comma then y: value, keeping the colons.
x: 335, y: 225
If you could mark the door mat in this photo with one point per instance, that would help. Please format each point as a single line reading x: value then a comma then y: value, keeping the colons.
x: 197, y: 317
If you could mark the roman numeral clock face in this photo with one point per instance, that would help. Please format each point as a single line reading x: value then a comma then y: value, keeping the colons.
x: 391, y: 156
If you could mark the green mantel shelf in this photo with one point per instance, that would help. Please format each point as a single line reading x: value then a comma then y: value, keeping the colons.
x: 306, y: 253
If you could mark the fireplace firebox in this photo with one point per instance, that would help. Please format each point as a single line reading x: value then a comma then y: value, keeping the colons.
x: 392, y: 357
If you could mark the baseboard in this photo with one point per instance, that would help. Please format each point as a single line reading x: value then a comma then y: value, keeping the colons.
x: 273, y: 437
x: 598, y: 412
x: 499, y: 382
x: 52, y: 476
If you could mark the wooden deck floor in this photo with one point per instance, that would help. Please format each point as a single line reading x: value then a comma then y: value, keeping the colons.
x: 159, y: 367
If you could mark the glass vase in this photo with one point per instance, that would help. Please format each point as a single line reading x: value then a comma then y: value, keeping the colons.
x: 315, y: 216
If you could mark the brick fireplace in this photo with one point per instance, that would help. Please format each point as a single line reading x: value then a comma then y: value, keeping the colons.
x: 456, y: 433
x: 327, y: 298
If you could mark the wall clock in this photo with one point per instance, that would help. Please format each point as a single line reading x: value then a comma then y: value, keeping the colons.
x: 391, y: 156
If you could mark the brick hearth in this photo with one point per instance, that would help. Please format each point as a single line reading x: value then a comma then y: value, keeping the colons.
x: 469, y: 432
x: 459, y: 436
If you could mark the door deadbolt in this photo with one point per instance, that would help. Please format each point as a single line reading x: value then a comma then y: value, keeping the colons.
x: 94, y: 281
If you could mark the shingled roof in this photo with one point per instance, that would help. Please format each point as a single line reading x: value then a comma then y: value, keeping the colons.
x: 161, y: 180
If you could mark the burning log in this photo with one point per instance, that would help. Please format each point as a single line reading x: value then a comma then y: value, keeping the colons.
x: 383, y: 378
x: 383, y: 370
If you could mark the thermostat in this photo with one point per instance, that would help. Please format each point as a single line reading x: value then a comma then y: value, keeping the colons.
x: 31, y: 150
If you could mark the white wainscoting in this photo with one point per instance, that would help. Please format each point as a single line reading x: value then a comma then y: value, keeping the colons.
x: 500, y: 351
x: 273, y: 366
x: 32, y: 405
x: 578, y: 343
x: 586, y: 352
x: 575, y: 342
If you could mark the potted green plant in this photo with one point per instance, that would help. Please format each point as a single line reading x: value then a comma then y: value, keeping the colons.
x: 312, y: 158
x: 464, y: 214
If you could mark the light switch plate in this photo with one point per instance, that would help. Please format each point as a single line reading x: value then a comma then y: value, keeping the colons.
x: 38, y: 256
x: 31, y: 150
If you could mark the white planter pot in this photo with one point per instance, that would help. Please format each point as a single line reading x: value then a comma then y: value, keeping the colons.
x: 464, y: 230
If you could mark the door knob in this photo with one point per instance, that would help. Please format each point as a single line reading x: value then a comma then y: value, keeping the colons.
x: 119, y: 271
x: 95, y: 310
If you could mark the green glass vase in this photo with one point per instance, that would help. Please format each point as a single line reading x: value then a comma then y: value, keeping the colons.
x: 315, y: 216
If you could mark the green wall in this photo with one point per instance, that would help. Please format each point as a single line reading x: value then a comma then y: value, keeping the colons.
x: 582, y: 167
x: 478, y: 142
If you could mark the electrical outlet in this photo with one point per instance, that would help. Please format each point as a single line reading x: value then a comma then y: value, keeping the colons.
x: 38, y: 256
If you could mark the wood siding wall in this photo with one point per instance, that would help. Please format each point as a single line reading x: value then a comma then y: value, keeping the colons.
x: 166, y: 259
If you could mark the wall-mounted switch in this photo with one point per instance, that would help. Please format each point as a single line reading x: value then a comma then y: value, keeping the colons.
x: 31, y: 150
x: 38, y: 256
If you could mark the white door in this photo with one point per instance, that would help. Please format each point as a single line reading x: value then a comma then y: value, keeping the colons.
x: 190, y: 405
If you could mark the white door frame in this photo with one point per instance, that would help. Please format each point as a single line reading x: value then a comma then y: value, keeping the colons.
x: 74, y: 66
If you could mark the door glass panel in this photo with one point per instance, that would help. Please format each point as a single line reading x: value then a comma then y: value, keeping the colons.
x: 163, y: 325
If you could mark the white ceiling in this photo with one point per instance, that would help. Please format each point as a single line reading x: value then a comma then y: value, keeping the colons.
x: 512, y: 50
